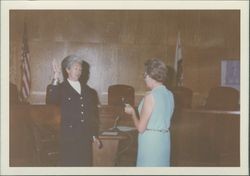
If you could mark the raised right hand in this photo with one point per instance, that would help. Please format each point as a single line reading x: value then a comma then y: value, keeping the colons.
x: 56, y: 69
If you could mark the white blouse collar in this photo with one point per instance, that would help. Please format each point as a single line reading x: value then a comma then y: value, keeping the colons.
x: 76, y: 85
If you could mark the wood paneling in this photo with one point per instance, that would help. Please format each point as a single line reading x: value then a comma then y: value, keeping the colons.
x: 205, y: 138
x: 117, y: 42
x: 198, y: 137
x: 22, y: 151
x: 34, y: 137
x: 107, y: 155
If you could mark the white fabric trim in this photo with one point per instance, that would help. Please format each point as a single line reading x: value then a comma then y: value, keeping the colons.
x: 76, y: 85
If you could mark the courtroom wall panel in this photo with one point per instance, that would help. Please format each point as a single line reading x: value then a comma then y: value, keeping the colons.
x: 117, y: 42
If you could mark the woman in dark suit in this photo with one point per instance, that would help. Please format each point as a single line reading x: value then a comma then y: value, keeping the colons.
x: 79, y: 113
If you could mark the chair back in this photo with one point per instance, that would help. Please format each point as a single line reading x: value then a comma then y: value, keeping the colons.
x: 119, y: 94
x: 223, y: 98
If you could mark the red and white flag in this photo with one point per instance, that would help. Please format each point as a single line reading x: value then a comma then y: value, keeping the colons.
x: 178, y: 61
x: 25, y: 68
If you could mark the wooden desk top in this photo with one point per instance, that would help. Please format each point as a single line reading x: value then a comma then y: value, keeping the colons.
x: 205, y: 111
x: 113, y: 137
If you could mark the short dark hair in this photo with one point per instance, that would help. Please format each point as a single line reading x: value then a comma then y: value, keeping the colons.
x: 156, y: 69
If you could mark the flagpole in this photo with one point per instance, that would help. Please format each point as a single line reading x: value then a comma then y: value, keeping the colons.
x: 25, y: 68
x: 178, y: 66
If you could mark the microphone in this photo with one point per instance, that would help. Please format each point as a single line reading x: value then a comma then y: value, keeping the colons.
x: 123, y: 104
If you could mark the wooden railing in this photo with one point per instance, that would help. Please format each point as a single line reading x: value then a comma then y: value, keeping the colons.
x: 198, y: 137
x: 205, y: 138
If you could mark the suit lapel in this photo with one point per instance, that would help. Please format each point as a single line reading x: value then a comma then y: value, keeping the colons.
x: 83, y: 89
x: 72, y: 89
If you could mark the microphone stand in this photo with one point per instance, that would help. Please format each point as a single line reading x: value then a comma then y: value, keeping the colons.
x: 114, y: 128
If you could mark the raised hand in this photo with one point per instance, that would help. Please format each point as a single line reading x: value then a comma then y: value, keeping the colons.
x: 56, y: 69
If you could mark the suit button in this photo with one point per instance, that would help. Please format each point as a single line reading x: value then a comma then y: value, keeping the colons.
x: 81, y: 105
x: 82, y: 120
x: 69, y: 98
x: 82, y: 112
x: 81, y: 98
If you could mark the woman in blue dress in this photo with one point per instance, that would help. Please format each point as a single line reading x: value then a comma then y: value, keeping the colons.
x: 155, y: 113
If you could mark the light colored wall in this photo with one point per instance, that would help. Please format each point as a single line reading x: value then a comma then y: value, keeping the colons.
x: 116, y: 44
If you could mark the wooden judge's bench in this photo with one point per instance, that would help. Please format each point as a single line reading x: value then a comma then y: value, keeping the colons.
x: 198, y: 137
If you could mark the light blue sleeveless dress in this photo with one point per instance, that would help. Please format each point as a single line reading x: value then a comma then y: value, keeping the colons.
x: 154, y: 145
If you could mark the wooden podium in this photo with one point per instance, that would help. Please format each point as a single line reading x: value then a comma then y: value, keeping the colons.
x: 106, y: 156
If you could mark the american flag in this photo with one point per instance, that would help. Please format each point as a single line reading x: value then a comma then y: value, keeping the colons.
x: 178, y: 62
x: 25, y: 68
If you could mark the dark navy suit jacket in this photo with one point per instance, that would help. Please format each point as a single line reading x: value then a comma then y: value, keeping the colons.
x: 79, y: 111
x: 79, y: 116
